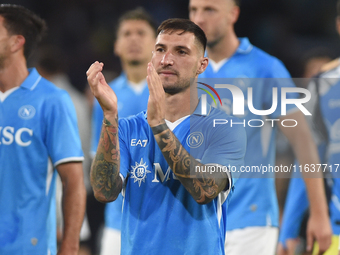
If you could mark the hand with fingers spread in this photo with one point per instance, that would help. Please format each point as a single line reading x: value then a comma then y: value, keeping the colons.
x: 156, y: 103
x: 101, y: 90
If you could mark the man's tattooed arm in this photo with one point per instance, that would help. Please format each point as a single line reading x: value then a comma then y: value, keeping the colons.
x: 105, y: 179
x: 203, y: 187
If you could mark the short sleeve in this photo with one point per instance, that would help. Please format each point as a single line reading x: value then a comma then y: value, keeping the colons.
x: 227, y: 147
x: 62, y: 134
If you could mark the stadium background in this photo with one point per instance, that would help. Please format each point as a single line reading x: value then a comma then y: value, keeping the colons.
x: 287, y: 29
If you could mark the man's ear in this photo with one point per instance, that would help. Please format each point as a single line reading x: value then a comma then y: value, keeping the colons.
x: 338, y: 24
x: 115, y: 48
x: 17, y: 42
x: 235, y: 13
x: 203, y: 65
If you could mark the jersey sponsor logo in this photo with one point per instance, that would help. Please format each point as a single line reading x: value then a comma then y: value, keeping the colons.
x: 139, y: 172
x: 8, y: 135
x: 141, y: 143
x: 163, y: 177
x: 195, y: 139
x: 26, y: 112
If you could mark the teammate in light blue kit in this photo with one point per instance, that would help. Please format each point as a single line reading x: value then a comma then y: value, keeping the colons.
x: 324, y: 108
x: 171, y: 205
x: 253, y: 211
x: 135, y: 38
x: 38, y: 133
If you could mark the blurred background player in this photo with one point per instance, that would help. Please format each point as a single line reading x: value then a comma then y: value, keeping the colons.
x: 253, y: 211
x: 39, y: 134
x: 311, y: 61
x: 325, y: 124
x: 52, y: 64
x: 135, y: 38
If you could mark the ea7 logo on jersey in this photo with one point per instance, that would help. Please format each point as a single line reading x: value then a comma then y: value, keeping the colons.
x: 141, y: 143
x: 26, y: 112
x: 139, y: 171
x: 21, y: 136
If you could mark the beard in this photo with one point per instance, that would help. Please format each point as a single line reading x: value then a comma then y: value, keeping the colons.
x: 177, y: 87
x: 4, y: 56
x: 2, y: 62
x: 212, y: 43
x: 134, y: 62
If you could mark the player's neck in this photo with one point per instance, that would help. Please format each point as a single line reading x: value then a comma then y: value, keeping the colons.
x: 224, y: 48
x: 135, y: 73
x: 180, y: 104
x: 13, y: 74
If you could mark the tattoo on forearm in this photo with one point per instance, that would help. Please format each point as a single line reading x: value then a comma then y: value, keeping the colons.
x: 201, y: 187
x: 105, y: 168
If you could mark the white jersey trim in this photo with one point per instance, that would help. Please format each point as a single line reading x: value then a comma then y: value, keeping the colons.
x: 139, y: 87
x: 49, y: 175
x: 222, y: 196
x: 216, y: 66
x: 4, y: 95
x: 71, y: 159
x: 36, y: 83
x: 173, y: 125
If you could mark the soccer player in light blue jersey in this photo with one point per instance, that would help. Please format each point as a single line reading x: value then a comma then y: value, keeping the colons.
x: 135, y: 39
x: 325, y: 109
x: 172, y: 205
x: 253, y: 211
x: 325, y: 124
x: 38, y: 134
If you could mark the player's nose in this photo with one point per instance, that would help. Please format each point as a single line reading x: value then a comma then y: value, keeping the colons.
x: 167, y: 59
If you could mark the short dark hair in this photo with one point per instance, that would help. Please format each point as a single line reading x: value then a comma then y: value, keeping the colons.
x: 136, y: 14
x: 185, y: 25
x: 237, y: 2
x: 338, y: 7
x: 21, y: 21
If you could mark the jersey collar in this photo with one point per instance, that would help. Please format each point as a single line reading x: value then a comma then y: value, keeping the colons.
x: 31, y: 80
x: 245, y: 46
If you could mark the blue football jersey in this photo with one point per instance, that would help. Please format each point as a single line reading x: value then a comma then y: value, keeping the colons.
x: 130, y: 102
x: 38, y: 131
x: 159, y: 214
x: 328, y: 102
x: 254, y: 201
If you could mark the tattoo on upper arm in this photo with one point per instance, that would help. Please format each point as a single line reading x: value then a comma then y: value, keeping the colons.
x: 202, y: 188
x: 105, y: 168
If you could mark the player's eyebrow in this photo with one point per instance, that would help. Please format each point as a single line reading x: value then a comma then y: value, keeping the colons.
x: 180, y: 47
x: 177, y: 47
x: 160, y: 45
